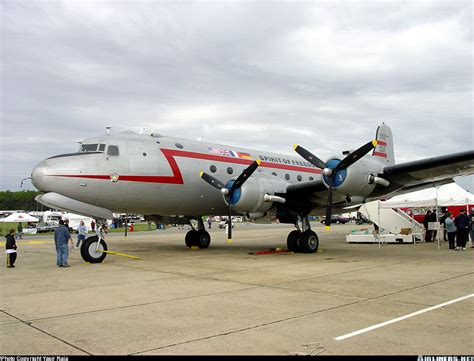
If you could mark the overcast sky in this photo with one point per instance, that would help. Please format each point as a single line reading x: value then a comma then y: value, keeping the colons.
x: 258, y: 74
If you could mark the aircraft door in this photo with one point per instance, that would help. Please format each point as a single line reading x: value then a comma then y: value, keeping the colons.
x: 116, y: 166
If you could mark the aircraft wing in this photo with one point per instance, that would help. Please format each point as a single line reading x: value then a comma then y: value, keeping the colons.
x: 425, y: 173
x: 403, y: 178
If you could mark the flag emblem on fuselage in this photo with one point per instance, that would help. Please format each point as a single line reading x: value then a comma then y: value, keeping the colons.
x: 229, y: 153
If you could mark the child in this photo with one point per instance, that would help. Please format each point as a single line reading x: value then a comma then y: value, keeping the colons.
x: 10, y: 245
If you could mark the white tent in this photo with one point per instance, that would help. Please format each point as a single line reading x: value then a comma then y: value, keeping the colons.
x: 19, y: 217
x: 443, y: 196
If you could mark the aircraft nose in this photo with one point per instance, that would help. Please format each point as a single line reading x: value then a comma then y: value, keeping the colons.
x: 38, y: 176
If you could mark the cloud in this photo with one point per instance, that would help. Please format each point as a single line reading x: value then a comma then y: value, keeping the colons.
x: 261, y: 75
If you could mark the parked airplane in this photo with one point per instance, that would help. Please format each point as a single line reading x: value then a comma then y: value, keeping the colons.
x: 159, y: 176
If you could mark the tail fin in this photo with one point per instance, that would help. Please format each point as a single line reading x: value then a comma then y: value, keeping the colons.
x: 384, y: 149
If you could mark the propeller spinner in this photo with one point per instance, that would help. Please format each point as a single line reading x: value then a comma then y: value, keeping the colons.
x: 334, y: 171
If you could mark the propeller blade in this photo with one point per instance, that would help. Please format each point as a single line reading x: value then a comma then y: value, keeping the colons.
x: 242, y: 178
x: 212, y: 181
x: 355, y: 155
x: 327, y: 222
x: 229, y: 226
x: 309, y: 157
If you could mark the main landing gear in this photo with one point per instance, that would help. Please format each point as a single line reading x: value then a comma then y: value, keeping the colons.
x: 303, y: 240
x: 198, y: 237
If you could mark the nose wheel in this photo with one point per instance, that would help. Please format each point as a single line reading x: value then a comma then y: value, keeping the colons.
x: 92, y: 250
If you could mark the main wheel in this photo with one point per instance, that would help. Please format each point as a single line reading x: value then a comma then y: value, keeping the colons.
x: 191, y: 238
x: 90, y: 252
x: 292, y: 241
x: 309, y: 242
x: 203, y: 239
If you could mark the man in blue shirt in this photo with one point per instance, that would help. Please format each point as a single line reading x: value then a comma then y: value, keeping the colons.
x: 61, y: 239
x: 462, y: 223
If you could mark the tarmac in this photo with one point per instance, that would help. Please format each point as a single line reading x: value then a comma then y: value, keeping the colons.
x: 347, y: 299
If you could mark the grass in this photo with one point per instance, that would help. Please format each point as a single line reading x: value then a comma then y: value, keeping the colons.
x: 5, y: 226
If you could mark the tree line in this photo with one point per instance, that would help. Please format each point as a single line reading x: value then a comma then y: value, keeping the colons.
x: 21, y: 200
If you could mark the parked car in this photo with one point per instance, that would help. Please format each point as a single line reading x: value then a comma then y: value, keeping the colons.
x: 337, y: 219
x: 222, y: 224
x: 45, y: 227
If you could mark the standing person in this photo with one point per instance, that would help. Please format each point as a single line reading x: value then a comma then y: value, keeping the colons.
x: 10, y: 245
x: 20, y: 230
x: 462, y: 226
x: 81, y: 233
x: 471, y: 224
x: 209, y: 222
x: 442, y: 222
x: 450, y: 229
x: 93, y: 225
x: 61, y: 239
x: 426, y: 220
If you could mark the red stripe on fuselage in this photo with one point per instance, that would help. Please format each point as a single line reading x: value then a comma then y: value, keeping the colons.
x: 177, y: 177
x: 381, y: 142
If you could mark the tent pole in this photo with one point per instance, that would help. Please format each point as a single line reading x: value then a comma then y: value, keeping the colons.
x: 437, y: 217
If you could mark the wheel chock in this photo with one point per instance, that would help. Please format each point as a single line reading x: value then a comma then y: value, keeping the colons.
x: 270, y: 251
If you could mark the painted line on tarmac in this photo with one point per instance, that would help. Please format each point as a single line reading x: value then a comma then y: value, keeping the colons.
x: 370, y: 328
x: 29, y: 242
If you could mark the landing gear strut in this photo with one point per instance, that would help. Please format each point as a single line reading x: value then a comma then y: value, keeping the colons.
x: 198, y: 237
x: 303, y: 239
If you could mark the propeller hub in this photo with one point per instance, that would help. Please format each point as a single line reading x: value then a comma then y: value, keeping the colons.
x: 335, y: 179
x: 327, y: 172
x: 225, y: 191
x: 234, y: 196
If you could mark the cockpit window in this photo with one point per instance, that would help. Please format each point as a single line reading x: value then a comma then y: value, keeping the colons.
x: 88, y: 148
x: 112, y: 150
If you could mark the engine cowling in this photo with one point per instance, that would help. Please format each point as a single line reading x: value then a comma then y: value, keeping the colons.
x: 250, y: 198
x: 352, y: 181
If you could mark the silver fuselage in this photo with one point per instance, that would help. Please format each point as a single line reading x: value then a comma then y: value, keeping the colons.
x: 159, y: 174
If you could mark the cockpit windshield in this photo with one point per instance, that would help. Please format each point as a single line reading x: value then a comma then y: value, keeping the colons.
x: 86, y: 148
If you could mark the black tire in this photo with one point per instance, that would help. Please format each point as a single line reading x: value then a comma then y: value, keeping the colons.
x: 191, y: 238
x: 292, y: 241
x: 203, y: 239
x: 88, y: 250
x: 309, y: 242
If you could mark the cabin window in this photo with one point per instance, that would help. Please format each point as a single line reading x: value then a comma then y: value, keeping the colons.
x: 230, y: 170
x: 273, y: 173
x: 178, y: 145
x: 213, y: 168
x: 101, y: 147
x: 299, y: 178
x: 144, y: 154
x: 311, y: 178
x: 112, y: 150
x: 287, y: 176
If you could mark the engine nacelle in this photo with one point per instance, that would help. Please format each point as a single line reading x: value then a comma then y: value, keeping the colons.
x: 352, y: 181
x: 250, y: 198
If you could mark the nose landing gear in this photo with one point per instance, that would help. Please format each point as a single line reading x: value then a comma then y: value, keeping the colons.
x: 94, y: 248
